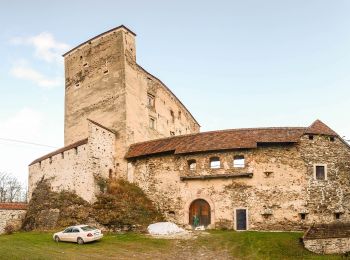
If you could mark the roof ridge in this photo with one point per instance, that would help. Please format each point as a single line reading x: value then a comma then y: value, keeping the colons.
x: 221, y: 131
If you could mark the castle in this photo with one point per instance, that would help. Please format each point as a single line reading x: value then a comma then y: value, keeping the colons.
x: 123, y: 122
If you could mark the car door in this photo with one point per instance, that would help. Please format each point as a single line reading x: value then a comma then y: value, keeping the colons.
x: 66, y: 234
x: 75, y: 234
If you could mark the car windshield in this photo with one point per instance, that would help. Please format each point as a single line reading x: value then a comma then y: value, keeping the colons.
x: 87, y: 228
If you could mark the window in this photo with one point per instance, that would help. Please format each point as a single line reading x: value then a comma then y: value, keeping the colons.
x: 75, y: 230
x: 302, y: 216
x: 172, y: 133
x: 150, y: 100
x: 172, y: 116
x: 337, y: 215
x: 68, y: 230
x: 238, y: 161
x: 152, y: 123
x: 320, y: 172
x: 215, y: 163
x: 179, y: 115
x: 192, y: 165
x: 311, y: 137
x: 332, y: 138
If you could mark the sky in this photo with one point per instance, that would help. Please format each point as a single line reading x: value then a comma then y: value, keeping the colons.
x: 234, y: 64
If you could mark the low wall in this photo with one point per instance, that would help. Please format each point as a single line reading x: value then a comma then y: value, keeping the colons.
x: 328, y: 245
x: 328, y: 238
x: 12, y: 213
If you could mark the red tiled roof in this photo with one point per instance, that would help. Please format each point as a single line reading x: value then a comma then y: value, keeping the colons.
x: 217, y: 140
x: 13, y: 205
x: 61, y: 150
x: 226, y: 140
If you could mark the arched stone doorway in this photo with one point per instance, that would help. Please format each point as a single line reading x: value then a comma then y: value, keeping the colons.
x: 199, y: 213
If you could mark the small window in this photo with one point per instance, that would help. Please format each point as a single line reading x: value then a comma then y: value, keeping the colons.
x: 320, y: 172
x: 179, y: 115
x: 331, y: 138
x: 337, y: 215
x: 302, y: 216
x: 76, y: 150
x: 75, y: 230
x: 172, y: 133
x: 62, y: 155
x: 50, y: 160
x: 192, y: 165
x: 215, y: 163
x: 311, y: 137
x: 238, y: 161
x: 172, y: 116
x: 150, y: 100
x: 68, y: 230
x: 152, y: 123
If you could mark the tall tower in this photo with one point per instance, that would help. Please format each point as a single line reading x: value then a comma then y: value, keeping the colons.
x: 104, y: 83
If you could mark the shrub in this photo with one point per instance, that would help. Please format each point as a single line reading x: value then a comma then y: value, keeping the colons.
x: 9, y: 229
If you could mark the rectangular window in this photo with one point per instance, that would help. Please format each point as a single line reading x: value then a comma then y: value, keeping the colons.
x: 150, y: 100
x: 320, y: 172
x: 215, y: 163
x: 172, y: 116
x: 172, y: 133
x: 152, y: 123
x: 238, y: 161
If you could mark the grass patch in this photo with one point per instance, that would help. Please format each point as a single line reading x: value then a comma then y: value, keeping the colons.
x: 238, y: 245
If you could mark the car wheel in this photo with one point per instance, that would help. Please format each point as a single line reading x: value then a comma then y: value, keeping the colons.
x: 80, y: 241
x: 57, y: 239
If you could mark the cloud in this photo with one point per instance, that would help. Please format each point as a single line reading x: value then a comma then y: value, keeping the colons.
x: 25, y: 72
x: 25, y: 124
x: 46, y: 47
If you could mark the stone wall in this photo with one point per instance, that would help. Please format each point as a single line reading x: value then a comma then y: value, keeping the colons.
x: 328, y: 245
x: 78, y: 168
x: 11, y: 214
x: 281, y: 195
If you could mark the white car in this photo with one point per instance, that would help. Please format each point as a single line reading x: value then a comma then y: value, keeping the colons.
x: 80, y: 234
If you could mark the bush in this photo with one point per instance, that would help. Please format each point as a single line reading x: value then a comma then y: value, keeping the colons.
x: 125, y: 204
x: 9, y: 229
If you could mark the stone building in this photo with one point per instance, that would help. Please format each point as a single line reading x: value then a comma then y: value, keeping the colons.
x: 121, y: 121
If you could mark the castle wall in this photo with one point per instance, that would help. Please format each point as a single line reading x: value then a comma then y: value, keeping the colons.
x: 78, y: 169
x: 281, y: 190
x: 169, y: 115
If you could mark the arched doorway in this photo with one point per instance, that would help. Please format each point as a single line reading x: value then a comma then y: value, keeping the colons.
x: 199, y: 213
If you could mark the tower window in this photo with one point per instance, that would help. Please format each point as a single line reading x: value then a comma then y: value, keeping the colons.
x: 172, y: 116
x: 337, y: 215
x: 332, y: 139
x: 311, y: 137
x: 152, y: 123
x: 150, y: 100
x: 303, y: 216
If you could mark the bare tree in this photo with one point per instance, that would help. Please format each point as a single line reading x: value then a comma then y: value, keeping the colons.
x: 11, y: 189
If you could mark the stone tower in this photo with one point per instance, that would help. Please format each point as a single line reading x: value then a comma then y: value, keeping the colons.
x: 104, y: 83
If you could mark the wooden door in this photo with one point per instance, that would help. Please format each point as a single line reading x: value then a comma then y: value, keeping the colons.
x: 241, y: 219
x: 199, y: 213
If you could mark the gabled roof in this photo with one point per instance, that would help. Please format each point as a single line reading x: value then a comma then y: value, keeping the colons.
x: 318, y: 127
x: 217, y: 140
x: 246, y: 138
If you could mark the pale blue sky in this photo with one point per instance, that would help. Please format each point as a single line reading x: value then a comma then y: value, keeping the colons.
x: 232, y: 63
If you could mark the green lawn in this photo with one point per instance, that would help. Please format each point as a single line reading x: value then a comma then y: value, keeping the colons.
x: 215, y: 245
